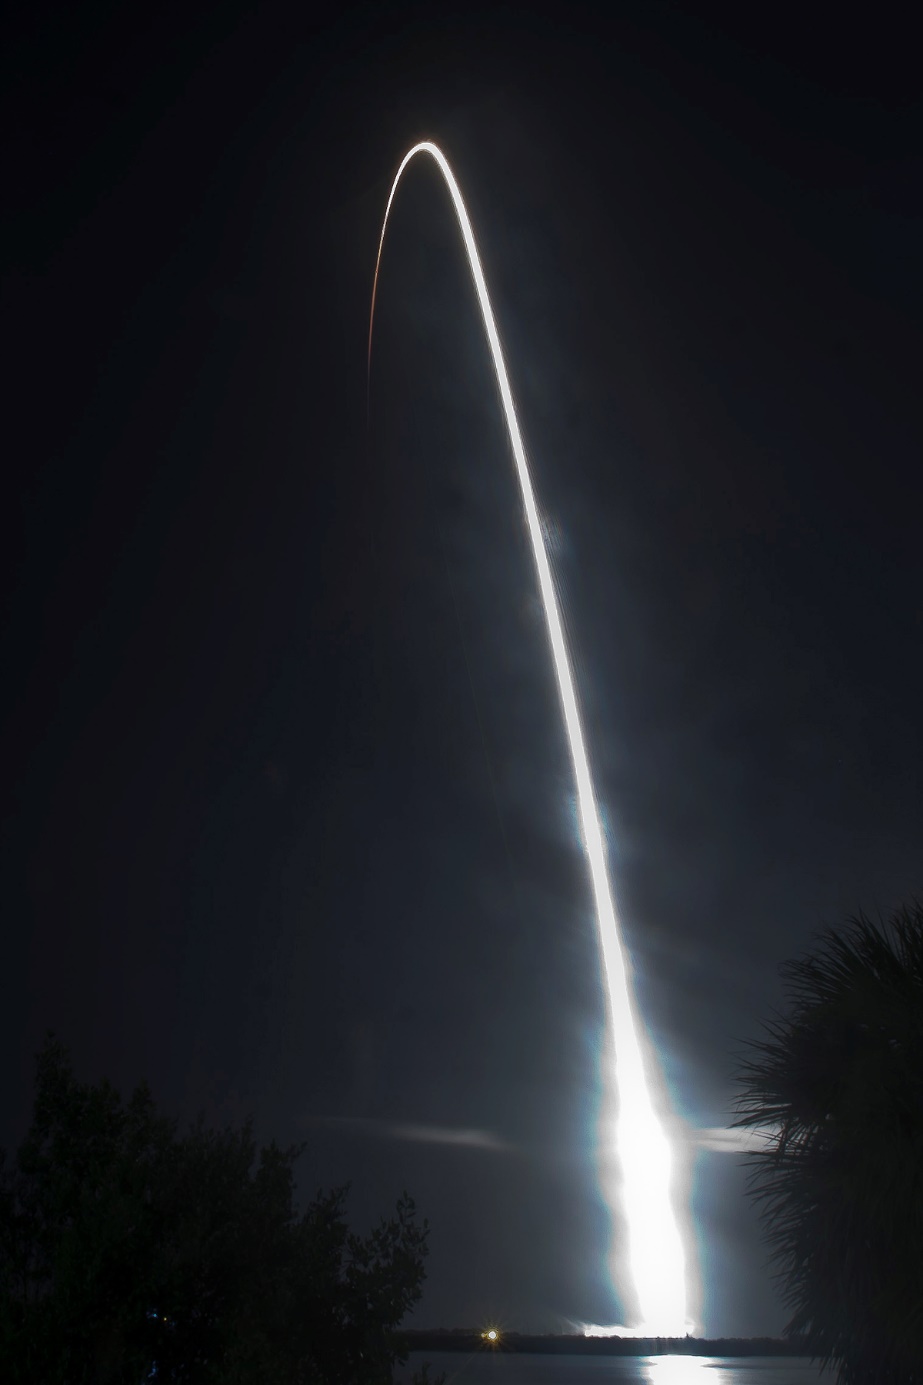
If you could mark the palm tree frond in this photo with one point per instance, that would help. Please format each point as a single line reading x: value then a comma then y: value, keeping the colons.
x: 836, y: 1085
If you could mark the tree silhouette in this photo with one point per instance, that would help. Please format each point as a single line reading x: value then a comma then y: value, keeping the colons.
x: 130, y: 1251
x: 836, y: 1086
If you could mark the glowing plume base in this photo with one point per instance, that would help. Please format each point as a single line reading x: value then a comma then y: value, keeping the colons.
x: 595, y: 1329
x: 644, y: 1186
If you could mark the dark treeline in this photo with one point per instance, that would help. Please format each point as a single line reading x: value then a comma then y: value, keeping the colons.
x: 466, y: 1339
x: 132, y: 1250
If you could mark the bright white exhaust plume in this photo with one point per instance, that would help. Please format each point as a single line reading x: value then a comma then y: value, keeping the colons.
x: 641, y: 1183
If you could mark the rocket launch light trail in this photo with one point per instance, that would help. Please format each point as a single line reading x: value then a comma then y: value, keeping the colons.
x: 642, y: 1183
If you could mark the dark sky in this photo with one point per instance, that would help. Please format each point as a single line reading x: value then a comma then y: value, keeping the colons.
x: 288, y: 821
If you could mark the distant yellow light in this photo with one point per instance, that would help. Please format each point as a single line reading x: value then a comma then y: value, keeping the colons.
x: 492, y: 1335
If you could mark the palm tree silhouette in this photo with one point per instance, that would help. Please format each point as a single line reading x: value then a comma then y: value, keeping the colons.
x: 836, y: 1087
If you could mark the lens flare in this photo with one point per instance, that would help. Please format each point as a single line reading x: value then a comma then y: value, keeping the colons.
x: 641, y: 1178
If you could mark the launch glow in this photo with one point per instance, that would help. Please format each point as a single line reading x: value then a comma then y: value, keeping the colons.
x: 641, y: 1179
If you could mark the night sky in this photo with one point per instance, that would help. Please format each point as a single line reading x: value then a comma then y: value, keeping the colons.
x: 288, y: 821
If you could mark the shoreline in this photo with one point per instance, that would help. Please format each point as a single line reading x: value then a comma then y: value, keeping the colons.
x: 467, y: 1340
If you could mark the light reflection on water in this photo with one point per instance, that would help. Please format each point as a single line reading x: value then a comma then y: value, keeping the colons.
x: 725, y: 1370
x: 525, y: 1368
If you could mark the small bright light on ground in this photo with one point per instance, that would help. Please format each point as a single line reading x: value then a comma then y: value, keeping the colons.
x: 491, y: 1335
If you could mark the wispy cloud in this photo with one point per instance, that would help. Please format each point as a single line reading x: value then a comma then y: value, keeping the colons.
x: 418, y: 1134
x: 719, y: 1139
x: 728, y: 1140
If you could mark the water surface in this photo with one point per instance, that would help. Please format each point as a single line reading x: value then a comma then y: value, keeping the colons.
x: 525, y: 1368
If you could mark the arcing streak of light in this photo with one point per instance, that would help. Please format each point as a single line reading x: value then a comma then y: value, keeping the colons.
x: 643, y: 1182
